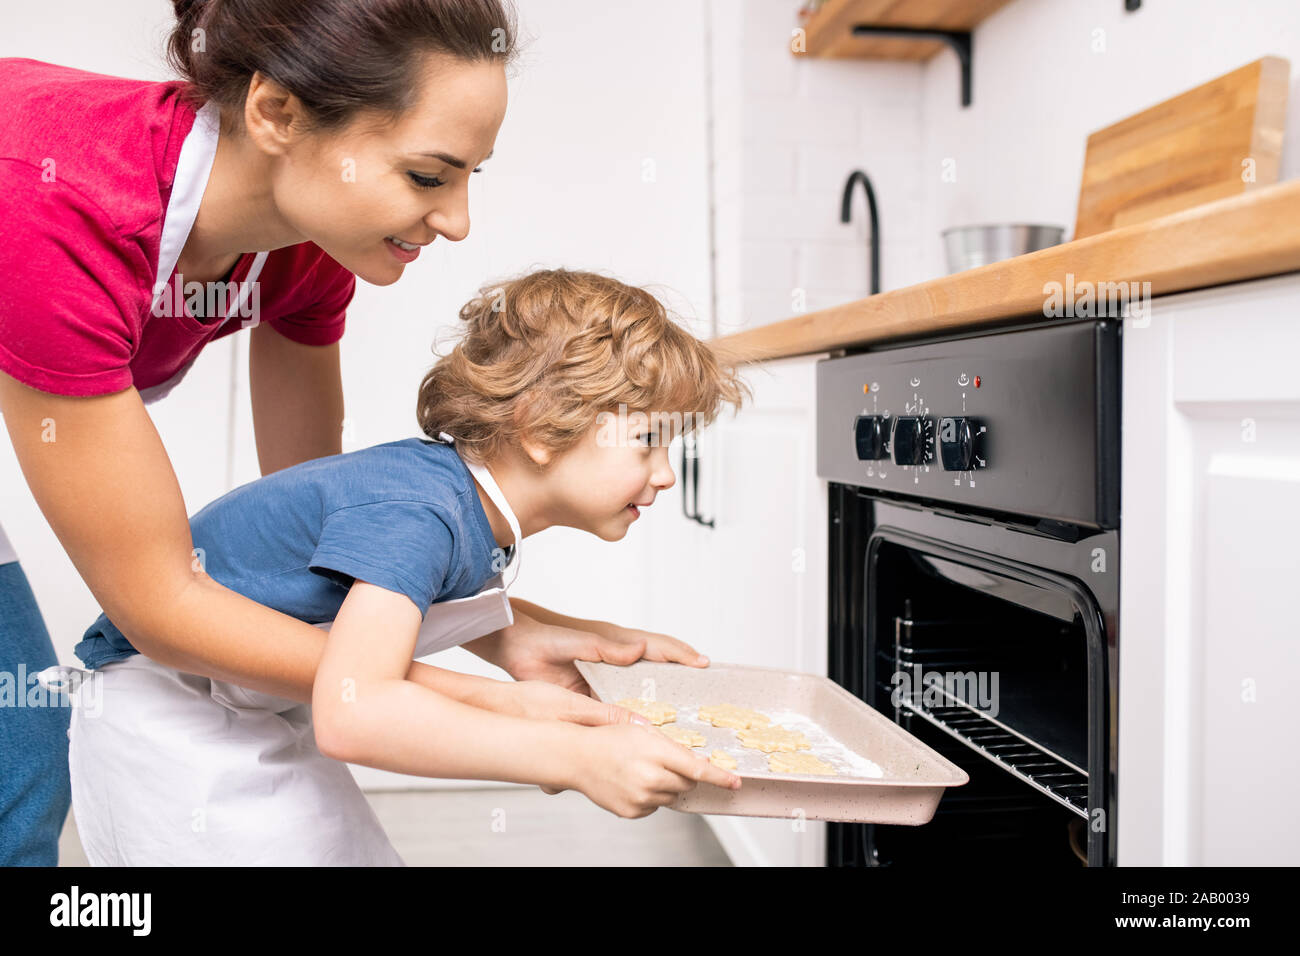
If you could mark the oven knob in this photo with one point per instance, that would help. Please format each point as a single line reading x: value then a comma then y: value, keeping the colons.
x: 960, y: 441
x: 870, y: 433
x: 912, y: 438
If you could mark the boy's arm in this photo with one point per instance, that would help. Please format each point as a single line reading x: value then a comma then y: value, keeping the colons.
x: 366, y: 712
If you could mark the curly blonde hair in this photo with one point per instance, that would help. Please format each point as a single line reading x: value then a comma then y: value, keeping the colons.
x: 543, y: 354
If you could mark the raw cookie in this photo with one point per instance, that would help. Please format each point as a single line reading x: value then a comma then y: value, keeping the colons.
x: 772, y: 738
x: 680, y: 735
x: 720, y: 758
x: 651, y: 710
x: 729, y: 715
x: 798, y: 763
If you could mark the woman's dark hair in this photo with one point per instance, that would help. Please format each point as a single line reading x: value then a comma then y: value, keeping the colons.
x: 339, y: 57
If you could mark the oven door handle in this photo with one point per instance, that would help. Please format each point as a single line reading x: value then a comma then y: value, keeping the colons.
x: 691, y: 480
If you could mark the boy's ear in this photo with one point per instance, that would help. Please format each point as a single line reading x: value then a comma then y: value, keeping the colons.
x: 539, y: 453
x: 536, y: 451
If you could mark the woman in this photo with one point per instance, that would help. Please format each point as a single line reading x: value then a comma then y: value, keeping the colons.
x: 337, y: 136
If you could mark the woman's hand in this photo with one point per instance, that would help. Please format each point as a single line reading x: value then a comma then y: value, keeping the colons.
x: 657, y: 647
x: 532, y: 651
x: 540, y: 700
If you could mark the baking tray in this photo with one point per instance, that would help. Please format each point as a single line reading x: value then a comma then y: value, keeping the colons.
x: 854, y: 737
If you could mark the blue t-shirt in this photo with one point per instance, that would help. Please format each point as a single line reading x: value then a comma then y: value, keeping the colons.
x: 404, y: 516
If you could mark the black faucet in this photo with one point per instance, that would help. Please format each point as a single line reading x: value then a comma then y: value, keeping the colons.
x: 845, y: 208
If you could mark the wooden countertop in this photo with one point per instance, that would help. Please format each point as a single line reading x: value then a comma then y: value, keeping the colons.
x: 1243, y: 237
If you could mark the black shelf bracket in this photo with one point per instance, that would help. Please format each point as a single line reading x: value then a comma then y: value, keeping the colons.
x: 959, y: 40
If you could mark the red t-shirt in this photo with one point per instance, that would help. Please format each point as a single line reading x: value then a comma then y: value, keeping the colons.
x: 87, y: 165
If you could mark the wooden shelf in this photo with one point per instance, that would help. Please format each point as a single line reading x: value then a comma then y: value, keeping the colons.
x: 829, y: 29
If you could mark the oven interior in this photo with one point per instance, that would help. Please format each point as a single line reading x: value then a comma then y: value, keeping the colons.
x: 995, y: 669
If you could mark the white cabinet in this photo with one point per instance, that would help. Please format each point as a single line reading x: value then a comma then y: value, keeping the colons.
x: 1210, y: 567
x: 753, y: 588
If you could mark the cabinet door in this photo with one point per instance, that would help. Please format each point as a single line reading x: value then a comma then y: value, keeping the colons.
x: 759, y: 574
x: 1210, y: 500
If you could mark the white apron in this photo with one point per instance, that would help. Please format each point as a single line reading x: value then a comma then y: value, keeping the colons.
x: 173, y: 769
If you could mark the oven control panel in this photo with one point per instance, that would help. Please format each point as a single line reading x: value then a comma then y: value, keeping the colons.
x: 1024, y: 421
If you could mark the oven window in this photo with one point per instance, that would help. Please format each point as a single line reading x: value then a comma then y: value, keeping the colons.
x: 991, y: 670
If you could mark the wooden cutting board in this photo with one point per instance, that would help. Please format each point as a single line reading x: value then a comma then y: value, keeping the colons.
x: 1187, y: 150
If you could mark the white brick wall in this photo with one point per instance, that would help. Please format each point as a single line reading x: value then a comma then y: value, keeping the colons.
x: 787, y: 134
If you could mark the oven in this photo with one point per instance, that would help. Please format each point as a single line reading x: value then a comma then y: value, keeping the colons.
x: 974, y: 581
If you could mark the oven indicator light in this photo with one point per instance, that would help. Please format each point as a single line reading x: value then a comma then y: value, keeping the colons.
x: 977, y: 381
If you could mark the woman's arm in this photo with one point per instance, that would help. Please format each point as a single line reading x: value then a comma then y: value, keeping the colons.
x: 555, y: 619
x: 101, y: 477
x: 542, y: 645
x: 297, y: 398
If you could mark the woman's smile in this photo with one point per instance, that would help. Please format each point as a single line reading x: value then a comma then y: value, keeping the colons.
x: 402, y: 251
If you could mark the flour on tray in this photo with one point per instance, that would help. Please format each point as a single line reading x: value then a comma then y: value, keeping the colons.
x: 846, y: 762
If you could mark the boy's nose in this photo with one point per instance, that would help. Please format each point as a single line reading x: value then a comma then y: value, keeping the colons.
x: 664, y: 477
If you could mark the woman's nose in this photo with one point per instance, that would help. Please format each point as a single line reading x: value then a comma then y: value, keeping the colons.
x: 452, y: 223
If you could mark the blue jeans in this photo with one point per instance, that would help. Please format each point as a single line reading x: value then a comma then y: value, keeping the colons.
x: 34, y: 789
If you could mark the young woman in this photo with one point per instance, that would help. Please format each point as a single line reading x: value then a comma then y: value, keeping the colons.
x: 307, y: 143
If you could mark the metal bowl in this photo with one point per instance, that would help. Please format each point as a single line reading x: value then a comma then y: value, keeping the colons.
x: 968, y: 247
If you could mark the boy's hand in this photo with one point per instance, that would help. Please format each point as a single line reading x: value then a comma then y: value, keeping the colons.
x: 633, y: 771
x: 539, y: 700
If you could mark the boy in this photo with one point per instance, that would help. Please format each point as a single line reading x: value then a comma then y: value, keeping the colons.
x: 398, y: 550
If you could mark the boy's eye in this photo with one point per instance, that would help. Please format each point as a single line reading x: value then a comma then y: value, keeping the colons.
x: 424, y: 182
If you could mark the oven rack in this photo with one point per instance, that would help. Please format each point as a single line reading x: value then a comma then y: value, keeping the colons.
x: 1039, y: 768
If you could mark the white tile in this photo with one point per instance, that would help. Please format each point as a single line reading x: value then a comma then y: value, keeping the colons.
x: 840, y: 264
x: 768, y: 263
x: 858, y: 81
x: 794, y: 119
x: 792, y: 217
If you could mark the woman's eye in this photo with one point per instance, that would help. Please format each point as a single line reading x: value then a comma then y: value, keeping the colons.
x: 425, y: 182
